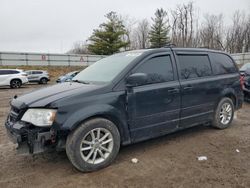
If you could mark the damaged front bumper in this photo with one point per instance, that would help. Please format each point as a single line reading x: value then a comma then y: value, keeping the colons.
x: 30, y: 139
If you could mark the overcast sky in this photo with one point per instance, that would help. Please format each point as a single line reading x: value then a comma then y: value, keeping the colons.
x: 54, y: 25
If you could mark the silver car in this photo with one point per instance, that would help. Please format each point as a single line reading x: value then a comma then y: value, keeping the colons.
x: 39, y: 76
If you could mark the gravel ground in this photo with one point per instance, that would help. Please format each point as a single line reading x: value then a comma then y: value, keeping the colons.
x: 169, y: 161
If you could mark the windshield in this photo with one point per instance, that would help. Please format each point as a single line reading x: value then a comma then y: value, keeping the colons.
x: 245, y: 67
x: 106, y: 69
x: 70, y: 73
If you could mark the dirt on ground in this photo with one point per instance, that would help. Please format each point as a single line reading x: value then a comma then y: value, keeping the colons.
x: 169, y: 161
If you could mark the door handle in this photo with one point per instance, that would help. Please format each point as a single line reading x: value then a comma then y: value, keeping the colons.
x: 173, y: 91
x: 188, y: 88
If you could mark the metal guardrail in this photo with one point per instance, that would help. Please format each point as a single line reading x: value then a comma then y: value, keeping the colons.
x: 241, y: 58
x: 47, y: 59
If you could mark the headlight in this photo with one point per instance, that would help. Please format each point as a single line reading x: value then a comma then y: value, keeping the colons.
x: 40, y: 117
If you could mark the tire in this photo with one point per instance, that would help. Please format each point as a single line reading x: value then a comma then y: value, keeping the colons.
x: 15, y: 83
x: 224, y: 114
x: 43, y: 81
x: 80, y: 144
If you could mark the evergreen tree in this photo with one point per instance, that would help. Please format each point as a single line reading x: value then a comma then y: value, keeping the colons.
x: 108, y: 39
x: 158, y: 35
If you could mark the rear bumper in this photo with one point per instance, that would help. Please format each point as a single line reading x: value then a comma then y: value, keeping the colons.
x: 246, y: 94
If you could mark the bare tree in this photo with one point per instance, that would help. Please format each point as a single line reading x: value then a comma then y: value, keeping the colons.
x: 142, y: 31
x: 79, y: 47
x: 237, y: 39
x: 211, y: 32
x: 183, y: 25
x: 188, y: 30
x: 129, y: 24
x: 247, y: 42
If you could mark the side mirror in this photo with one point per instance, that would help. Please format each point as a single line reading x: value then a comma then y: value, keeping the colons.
x: 136, y: 79
x: 68, y: 80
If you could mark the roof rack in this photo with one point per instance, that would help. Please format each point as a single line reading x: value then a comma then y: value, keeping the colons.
x: 203, y: 47
x: 169, y: 45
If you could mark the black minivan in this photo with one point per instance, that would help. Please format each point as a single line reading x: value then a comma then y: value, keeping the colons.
x: 126, y: 98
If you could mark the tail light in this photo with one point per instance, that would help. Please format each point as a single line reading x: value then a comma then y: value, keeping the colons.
x: 242, y: 81
x: 24, y: 74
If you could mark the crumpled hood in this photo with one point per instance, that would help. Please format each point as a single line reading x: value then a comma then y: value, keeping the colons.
x: 45, y: 96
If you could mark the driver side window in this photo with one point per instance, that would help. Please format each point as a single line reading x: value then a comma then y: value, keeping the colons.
x: 158, y: 69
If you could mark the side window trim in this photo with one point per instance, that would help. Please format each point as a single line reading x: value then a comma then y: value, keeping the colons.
x: 120, y: 86
x: 176, y: 53
x: 225, y: 54
x: 172, y: 61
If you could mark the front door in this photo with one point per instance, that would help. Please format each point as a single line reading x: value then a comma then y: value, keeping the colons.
x: 33, y: 76
x: 154, y: 108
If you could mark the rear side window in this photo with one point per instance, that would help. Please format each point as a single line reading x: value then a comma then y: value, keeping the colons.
x: 159, y: 69
x: 194, y: 66
x: 37, y: 72
x: 13, y: 72
x: 4, y: 72
x: 222, y: 64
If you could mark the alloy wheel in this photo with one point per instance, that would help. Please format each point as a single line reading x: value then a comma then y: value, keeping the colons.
x: 96, y: 145
x: 226, y: 113
x: 15, y: 84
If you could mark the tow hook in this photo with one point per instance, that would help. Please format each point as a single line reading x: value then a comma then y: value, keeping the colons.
x: 53, y: 136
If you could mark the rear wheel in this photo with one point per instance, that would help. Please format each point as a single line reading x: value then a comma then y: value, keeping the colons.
x: 93, y: 145
x: 224, y: 114
x: 15, y: 83
x: 43, y: 81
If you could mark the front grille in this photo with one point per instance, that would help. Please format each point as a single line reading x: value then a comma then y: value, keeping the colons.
x: 14, y: 109
x: 14, y: 115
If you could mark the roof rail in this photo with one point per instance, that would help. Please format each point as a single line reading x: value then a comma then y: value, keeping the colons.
x: 169, y: 45
x: 204, y: 47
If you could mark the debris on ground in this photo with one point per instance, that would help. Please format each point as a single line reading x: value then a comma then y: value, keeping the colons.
x: 238, y: 151
x: 235, y: 115
x: 202, y: 158
x: 134, y: 160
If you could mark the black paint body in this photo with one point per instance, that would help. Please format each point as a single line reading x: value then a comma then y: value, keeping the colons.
x: 140, y: 113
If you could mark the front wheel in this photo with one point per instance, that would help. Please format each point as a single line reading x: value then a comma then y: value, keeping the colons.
x: 224, y: 114
x: 93, y: 145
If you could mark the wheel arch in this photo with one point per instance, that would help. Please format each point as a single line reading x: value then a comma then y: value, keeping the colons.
x: 230, y: 93
x: 15, y: 79
x: 104, y: 111
x: 232, y: 97
x: 43, y: 78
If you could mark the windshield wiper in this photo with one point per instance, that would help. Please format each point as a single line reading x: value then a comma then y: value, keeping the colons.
x: 80, y: 81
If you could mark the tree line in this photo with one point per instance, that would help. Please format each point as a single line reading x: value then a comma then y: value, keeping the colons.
x: 181, y: 26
